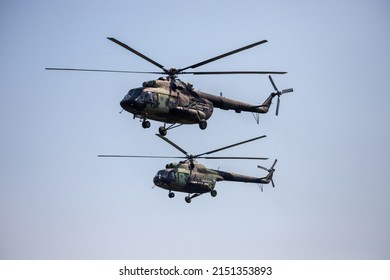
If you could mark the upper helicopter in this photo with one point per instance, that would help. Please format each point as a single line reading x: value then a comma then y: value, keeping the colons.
x: 174, y: 102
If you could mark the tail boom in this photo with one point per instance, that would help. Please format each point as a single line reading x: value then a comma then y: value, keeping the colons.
x: 234, y: 177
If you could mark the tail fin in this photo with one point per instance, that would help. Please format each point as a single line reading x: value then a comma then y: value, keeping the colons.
x: 267, y: 103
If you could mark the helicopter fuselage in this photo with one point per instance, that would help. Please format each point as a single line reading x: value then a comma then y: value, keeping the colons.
x: 182, y: 178
x: 178, y: 102
x: 156, y: 100
x: 196, y: 178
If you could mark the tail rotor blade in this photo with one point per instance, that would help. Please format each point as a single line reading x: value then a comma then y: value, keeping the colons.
x: 277, y: 105
x: 273, y: 84
x: 273, y: 165
x: 262, y: 167
x: 269, y: 169
x: 287, y: 90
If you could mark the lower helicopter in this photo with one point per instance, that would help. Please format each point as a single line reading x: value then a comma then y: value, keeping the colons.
x: 194, y: 178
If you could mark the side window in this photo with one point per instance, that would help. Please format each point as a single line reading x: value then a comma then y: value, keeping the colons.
x: 172, y: 101
x: 163, y: 100
x: 172, y: 175
x: 183, y: 178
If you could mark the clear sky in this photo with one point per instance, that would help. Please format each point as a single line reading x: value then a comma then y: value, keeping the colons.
x: 58, y: 200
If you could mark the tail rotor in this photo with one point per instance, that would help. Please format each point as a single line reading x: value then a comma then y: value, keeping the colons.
x: 278, y: 93
x: 271, y: 170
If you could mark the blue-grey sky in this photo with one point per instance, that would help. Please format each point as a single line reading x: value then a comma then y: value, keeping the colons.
x: 331, y: 138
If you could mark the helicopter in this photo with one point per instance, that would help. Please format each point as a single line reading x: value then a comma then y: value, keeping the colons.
x: 194, y: 178
x: 174, y: 102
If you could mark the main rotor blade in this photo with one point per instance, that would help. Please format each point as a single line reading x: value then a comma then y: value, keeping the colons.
x: 129, y: 156
x: 255, y: 158
x: 137, y: 53
x: 233, y: 72
x: 224, y: 55
x: 230, y: 146
x: 174, y: 145
x: 103, y: 70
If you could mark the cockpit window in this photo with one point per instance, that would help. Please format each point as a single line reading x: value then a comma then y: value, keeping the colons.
x: 134, y: 93
x: 163, y: 174
x: 172, y: 175
x: 149, y: 96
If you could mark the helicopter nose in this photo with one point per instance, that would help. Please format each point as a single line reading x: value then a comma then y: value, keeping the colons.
x: 160, y: 180
x: 124, y: 104
x: 128, y: 103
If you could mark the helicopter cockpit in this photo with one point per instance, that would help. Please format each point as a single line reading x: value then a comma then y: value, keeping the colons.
x: 138, y: 98
x: 132, y: 95
x: 164, y: 177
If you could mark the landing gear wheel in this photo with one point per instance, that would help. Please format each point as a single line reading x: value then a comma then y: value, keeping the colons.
x: 162, y: 131
x: 202, y: 124
x: 146, y: 124
x: 171, y: 195
x: 213, y: 193
x: 187, y: 199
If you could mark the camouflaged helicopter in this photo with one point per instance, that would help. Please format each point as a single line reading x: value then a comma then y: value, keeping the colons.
x: 174, y: 102
x: 194, y: 178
